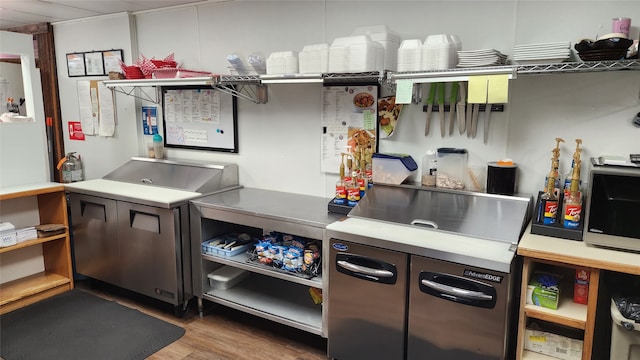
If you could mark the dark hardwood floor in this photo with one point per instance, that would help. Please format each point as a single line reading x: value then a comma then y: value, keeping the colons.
x: 222, y: 334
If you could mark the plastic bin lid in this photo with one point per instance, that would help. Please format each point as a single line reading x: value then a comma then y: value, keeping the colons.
x: 406, y: 160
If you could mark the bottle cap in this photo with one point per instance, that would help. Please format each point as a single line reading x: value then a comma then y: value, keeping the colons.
x: 157, y: 137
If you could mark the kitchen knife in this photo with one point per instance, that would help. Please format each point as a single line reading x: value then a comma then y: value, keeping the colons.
x: 443, y: 121
x: 474, y: 120
x: 430, y: 100
x: 461, y: 108
x: 487, y: 115
x: 452, y: 106
x: 468, y: 120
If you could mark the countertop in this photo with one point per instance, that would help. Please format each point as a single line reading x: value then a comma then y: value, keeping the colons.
x: 578, y: 253
x: 143, y: 194
x: 483, y: 253
x: 276, y: 205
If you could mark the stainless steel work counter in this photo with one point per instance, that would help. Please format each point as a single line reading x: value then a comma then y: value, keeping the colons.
x: 274, y: 205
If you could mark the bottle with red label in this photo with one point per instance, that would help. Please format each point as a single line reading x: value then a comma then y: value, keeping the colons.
x: 341, y: 187
x: 353, y: 192
x: 549, y: 203
x: 573, y: 203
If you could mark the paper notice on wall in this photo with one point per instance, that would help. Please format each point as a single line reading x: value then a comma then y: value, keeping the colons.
x: 85, y: 106
x: 348, y: 122
x: 96, y: 108
x: 107, y: 120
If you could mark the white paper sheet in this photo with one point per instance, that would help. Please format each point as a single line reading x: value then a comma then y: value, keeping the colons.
x: 107, y: 112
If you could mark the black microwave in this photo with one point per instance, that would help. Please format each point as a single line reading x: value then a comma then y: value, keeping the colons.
x: 612, y: 217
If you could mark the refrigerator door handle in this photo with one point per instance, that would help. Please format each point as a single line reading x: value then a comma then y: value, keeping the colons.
x: 422, y: 222
x: 364, y: 270
x: 454, y: 291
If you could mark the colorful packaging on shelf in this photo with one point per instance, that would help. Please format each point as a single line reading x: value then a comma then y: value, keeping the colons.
x: 581, y: 286
x: 290, y: 253
x: 544, y: 290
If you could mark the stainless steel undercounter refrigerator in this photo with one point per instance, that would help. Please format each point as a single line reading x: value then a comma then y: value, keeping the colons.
x: 131, y: 228
x: 425, y: 273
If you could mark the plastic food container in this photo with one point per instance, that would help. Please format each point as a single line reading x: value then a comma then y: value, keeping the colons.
x: 452, y: 168
x: 226, y: 277
x: 392, y: 168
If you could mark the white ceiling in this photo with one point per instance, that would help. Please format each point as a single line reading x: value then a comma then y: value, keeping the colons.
x: 27, y: 12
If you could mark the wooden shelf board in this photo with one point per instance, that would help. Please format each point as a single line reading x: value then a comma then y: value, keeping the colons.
x: 32, y: 242
x: 15, y: 192
x: 21, y: 289
x: 568, y: 313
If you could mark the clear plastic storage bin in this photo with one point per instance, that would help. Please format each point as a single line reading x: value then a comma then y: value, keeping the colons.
x: 452, y: 168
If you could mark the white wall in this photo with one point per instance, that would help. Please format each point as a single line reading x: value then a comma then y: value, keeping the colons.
x: 99, y: 154
x: 23, y: 146
x: 279, y: 142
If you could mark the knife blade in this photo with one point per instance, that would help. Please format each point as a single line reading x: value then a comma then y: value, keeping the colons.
x: 452, y: 106
x: 430, y: 100
x: 468, y: 120
x: 474, y: 120
x: 461, y: 108
x: 487, y: 116
x: 443, y: 121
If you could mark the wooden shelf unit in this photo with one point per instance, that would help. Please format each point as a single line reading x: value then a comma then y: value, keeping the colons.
x: 56, y: 250
x: 566, y: 255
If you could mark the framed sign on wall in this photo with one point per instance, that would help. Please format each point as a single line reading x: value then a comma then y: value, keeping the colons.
x: 94, y: 63
x: 199, y: 118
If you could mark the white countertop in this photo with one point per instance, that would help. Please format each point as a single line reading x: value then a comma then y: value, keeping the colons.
x: 488, y: 254
x: 578, y: 253
x: 141, y: 193
x: 28, y: 187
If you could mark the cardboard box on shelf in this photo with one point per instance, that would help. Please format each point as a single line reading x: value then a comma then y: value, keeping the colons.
x: 581, y: 286
x: 554, y: 345
x: 544, y: 290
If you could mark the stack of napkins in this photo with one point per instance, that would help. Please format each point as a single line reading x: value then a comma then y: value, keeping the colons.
x: 483, y: 57
x: 7, y: 234
x: 27, y: 233
x: 544, y: 53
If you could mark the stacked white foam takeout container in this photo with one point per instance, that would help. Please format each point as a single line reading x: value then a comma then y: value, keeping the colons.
x: 282, y: 62
x: 314, y: 59
x: 437, y: 52
x: 367, y: 49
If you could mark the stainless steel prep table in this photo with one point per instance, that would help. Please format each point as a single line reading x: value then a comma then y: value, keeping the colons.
x: 131, y: 228
x: 271, y: 294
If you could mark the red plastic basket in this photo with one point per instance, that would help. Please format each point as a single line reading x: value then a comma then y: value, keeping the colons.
x: 159, y: 64
x: 133, y: 72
